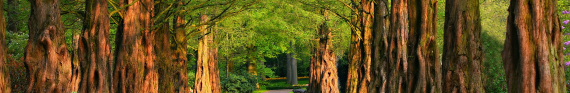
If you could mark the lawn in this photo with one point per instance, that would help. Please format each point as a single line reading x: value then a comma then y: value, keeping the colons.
x: 281, y: 84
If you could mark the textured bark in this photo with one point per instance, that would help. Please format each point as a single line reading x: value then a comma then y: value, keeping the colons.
x: 532, y: 55
x: 75, y: 65
x: 134, y: 62
x: 13, y: 14
x: 213, y: 62
x: 462, y: 54
x: 423, y: 67
x: 4, y: 77
x: 171, y: 57
x: 391, y: 49
x: 325, y: 55
x: 380, y: 47
x: 46, y: 56
x: 202, y: 83
x: 95, y: 48
x: 360, y: 56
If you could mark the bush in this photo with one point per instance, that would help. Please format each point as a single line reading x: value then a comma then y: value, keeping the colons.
x: 240, y: 82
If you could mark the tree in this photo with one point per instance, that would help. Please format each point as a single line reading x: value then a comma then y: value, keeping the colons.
x: 532, y: 56
x: 205, y: 68
x: 134, y: 62
x: 292, y: 67
x: 360, y: 56
x: 46, y: 56
x: 13, y: 16
x: 95, y: 48
x: 462, y: 54
x: 171, y: 55
x: 4, y: 77
x: 323, y: 63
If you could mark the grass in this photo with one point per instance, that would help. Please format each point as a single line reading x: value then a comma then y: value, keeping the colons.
x: 280, y: 84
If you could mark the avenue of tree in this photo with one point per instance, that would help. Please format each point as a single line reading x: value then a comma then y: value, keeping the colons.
x: 392, y: 47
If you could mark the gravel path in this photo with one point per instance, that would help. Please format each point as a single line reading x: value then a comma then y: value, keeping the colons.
x: 279, y: 91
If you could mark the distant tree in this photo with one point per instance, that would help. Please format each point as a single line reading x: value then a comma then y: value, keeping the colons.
x: 532, y: 55
x: 95, y: 48
x: 135, y: 60
x: 463, y: 54
x: 46, y: 55
x: 292, y: 66
x: 12, y: 15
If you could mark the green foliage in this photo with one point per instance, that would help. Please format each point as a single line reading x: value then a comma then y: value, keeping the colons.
x: 16, y: 44
x: 241, y: 82
x: 191, y: 78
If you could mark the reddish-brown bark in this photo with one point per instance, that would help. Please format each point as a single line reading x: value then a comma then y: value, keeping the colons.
x: 134, y: 62
x: 213, y: 62
x: 423, y: 67
x: 360, y: 56
x: 95, y: 49
x: 171, y: 55
x: 323, y: 63
x: 532, y: 56
x: 203, y: 81
x: 462, y: 54
x: 4, y: 77
x: 46, y: 56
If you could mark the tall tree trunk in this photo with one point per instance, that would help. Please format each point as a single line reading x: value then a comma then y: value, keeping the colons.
x: 207, y: 76
x: 361, y: 49
x: 387, y: 58
x: 75, y: 65
x: 13, y: 21
x: 423, y: 67
x: 532, y: 55
x: 178, y: 66
x: 4, y: 77
x: 292, y: 66
x: 134, y: 63
x: 46, y: 56
x: 325, y: 57
x: 462, y: 54
x: 213, y: 62
x: 95, y: 48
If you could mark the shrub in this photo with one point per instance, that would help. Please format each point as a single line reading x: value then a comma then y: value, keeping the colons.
x: 240, y: 82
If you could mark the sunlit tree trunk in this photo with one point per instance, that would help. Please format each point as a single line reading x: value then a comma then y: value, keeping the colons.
x: 462, y: 54
x: 213, y: 62
x: 4, y: 77
x: 46, y: 55
x: 325, y: 57
x: 95, y: 48
x: 423, y: 67
x: 532, y: 55
x: 207, y: 74
x: 360, y: 56
x: 134, y: 64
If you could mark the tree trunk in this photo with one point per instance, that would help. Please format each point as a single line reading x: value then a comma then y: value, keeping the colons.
x: 178, y: 67
x: 4, y: 77
x: 462, y: 54
x: 213, y: 62
x: 361, y: 49
x: 532, y: 55
x: 207, y: 75
x: 46, y: 56
x: 292, y: 66
x: 423, y: 67
x: 13, y: 21
x: 325, y: 55
x: 134, y: 63
x: 389, y: 46
x: 95, y: 49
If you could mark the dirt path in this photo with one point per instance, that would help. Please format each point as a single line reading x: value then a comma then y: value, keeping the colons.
x: 279, y: 91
